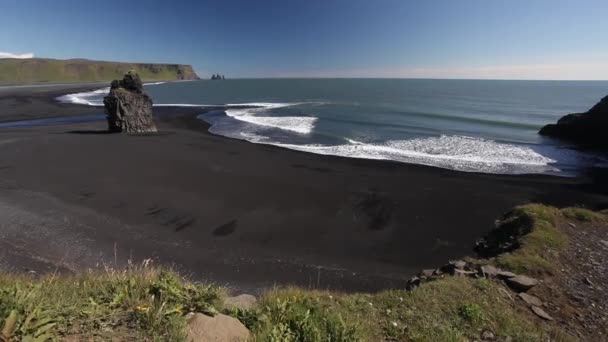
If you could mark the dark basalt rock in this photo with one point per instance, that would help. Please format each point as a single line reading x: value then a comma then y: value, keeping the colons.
x: 586, y: 129
x: 128, y: 107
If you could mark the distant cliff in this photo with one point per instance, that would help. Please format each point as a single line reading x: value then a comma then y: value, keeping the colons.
x: 84, y: 70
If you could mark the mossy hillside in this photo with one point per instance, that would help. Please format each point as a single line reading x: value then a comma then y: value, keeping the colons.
x: 583, y: 214
x: 81, y: 70
x: 539, y: 247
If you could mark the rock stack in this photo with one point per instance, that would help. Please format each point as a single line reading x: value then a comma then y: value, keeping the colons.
x: 586, y: 129
x: 128, y: 107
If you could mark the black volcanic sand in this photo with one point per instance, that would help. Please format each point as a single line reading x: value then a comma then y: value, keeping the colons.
x: 239, y: 214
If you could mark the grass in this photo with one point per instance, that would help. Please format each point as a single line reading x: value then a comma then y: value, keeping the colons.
x: 150, y: 303
x: 582, y: 214
x: 53, y: 70
x: 451, y: 309
x: 540, y: 246
x: 147, y: 303
x: 140, y: 303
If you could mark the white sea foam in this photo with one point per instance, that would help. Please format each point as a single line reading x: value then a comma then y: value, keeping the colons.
x: 92, y: 98
x: 89, y: 98
x: 451, y: 152
x: 256, y: 116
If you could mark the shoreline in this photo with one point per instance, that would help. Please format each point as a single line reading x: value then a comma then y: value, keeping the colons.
x: 238, y: 213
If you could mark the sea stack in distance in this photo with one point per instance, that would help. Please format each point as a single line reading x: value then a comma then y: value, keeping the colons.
x: 589, y: 129
x: 128, y: 107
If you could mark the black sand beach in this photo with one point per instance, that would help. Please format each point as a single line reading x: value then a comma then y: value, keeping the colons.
x: 239, y: 214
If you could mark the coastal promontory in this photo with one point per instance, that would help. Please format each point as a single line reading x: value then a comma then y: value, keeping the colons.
x: 586, y: 129
x: 33, y: 70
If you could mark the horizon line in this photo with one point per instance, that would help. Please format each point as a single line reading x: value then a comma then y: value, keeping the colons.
x: 415, y: 78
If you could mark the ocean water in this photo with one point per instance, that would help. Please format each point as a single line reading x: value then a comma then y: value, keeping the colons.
x: 485, y: 126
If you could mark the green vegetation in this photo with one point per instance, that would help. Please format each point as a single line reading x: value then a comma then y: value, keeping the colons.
x: 583, y: 214
x: 540, y: 247
x: 150, y: 304
x: 450, y: 309
x: 135, y: 304
x: 82, y: 70
x: 147, y: 303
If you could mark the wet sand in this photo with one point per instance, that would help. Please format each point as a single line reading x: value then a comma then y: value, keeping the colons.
x: 243, y: 215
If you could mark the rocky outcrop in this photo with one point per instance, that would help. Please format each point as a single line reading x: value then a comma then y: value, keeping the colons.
x: 240, y: 302
x: 128, y: 107
x: 586, y: 129
x: 219, y: 328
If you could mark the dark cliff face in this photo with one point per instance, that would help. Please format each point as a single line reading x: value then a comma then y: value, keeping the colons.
x: 186, y: 72
x: 589, y: 129
x: 181, y: 71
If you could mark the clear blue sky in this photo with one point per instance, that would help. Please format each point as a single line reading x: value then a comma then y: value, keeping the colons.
x: 543, y: 39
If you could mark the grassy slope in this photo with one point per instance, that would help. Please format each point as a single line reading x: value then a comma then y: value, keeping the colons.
x: 80, y: 70
x: 148, y: 303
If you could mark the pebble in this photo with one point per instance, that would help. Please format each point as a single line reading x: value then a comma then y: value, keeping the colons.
x: 541, y: 313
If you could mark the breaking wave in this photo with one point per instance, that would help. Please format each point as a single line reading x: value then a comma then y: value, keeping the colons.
x: 91, y: 98
x: 451, y: 152
x: 297, y: 124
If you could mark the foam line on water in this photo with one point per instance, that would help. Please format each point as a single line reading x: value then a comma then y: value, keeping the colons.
x: 92, y: 98
x: 89, y: 98
x: 451, y: 152
x: 257, y: 116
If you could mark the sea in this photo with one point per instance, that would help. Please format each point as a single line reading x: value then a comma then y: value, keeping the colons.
x: 487, y: 126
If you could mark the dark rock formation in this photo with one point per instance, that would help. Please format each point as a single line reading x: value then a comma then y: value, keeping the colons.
x: 217, y: 77
x: 587, y: 129
x: 185, y: 72
x: 128, y: 107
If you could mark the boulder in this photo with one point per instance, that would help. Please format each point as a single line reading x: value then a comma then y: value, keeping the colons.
x: 488, y: 271
x: 427, y: 273
x: 587, y: 129
x: 521, y: 283
x: 487, y: 335
x: 412, y: 283
x: 463, y: 273
x: 219, y: 328
x: 243, y: 302
x: 128, y: 107
x: 505, y: 274
x: 459, y: 264
x: 530, y: 300
x: 453, y: 265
